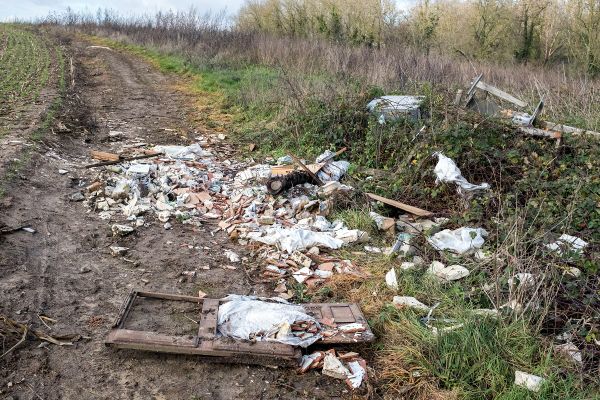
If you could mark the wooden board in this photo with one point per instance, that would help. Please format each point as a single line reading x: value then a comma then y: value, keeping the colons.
x: 286, y: 169
x: 104, y: 156
x: 500, y: 93
x: 209, y: 346
x: 413, y: 210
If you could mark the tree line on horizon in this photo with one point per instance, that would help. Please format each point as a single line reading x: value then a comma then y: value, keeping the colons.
x: 546, y: 32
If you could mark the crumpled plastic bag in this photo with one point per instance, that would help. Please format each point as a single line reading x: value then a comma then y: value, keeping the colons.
x: 571, y: 243
x: 291, y: 240
x: 243, y: 317
x: 191, y: 152
x: 461, y: 240
x: 447, y: 171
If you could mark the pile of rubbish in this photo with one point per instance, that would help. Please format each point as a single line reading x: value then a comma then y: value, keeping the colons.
x: 348, y: 366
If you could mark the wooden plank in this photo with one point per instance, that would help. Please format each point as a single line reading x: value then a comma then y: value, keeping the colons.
x: 286, y: 169
x: 342, y: 314
x: 553, y: 126
x: 128, y: 336
x: 529, y: 130
x: 125, y: 308
x: 471, y: 91
x: 307, y: 170
x: 413, y: 210
x: 500, y: 93
x: 104, y: 156
x: 208, y: 319
x: 169, y: 296
x: 260, y: 348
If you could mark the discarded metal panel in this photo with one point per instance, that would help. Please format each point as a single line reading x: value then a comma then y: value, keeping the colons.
x: 390, y: 108
x: 529, y: 124
x: 207, y: 345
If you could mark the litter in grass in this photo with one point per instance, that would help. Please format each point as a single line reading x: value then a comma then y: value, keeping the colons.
x: 447, y: 171
x: 528, y: 381
x: 567, y: 243
x: 461, y: 241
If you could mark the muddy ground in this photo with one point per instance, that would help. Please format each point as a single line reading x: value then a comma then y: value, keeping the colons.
x: 65, y: 271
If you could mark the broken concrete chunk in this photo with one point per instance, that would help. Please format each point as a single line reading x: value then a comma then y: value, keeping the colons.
x: 118, y: 250
x: 573, y: 272
x: 383, y: 223
x: 302, y: 274
x: 232, y: 256
x: 121, y: 230
x: 77, y: 196
x: 301, y: 259
x: 435, y: 267
x: 528, y: 381
x: 391, y: 280
x: 266, y: 220
x: 402, y: 247
x: 570, y: 351
x: 411, y: 302
x: 333, y: 187
x: 486, y: 312
x: 407, y: 266
x: 333, y: 367
x: 63, y: 171
x: 358, y: 371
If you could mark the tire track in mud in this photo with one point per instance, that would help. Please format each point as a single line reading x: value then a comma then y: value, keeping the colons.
x: 65, y: 270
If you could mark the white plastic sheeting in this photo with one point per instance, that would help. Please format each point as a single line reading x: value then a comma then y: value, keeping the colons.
x: 569, y: 242
x: 447, y: 171
x: 246, y: 317
x: 291, y: 240
x: 191, y: 152
x: 461, y: 240
x: 333, y: 170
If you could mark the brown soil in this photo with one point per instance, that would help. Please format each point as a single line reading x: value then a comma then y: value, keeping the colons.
x: 65, y: 271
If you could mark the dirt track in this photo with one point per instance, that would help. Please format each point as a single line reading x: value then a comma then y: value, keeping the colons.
x: 65, y: 271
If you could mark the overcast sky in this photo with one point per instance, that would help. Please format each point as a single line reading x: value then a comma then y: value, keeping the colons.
x: 30, y: 9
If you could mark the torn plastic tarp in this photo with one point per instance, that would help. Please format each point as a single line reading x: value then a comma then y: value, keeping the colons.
x: 461, y: 240
x: 291, y: 240
x: 447, y: 171
x: 190, y: 152
x: 250, y: 317
x: 390, y: 108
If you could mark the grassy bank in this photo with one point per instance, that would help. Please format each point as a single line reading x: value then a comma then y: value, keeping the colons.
x: 538, y: 191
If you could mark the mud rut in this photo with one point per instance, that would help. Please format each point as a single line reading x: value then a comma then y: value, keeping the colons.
x: 65, y: 270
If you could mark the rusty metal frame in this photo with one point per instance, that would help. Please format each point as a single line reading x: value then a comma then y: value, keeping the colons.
x: 209, y: 346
